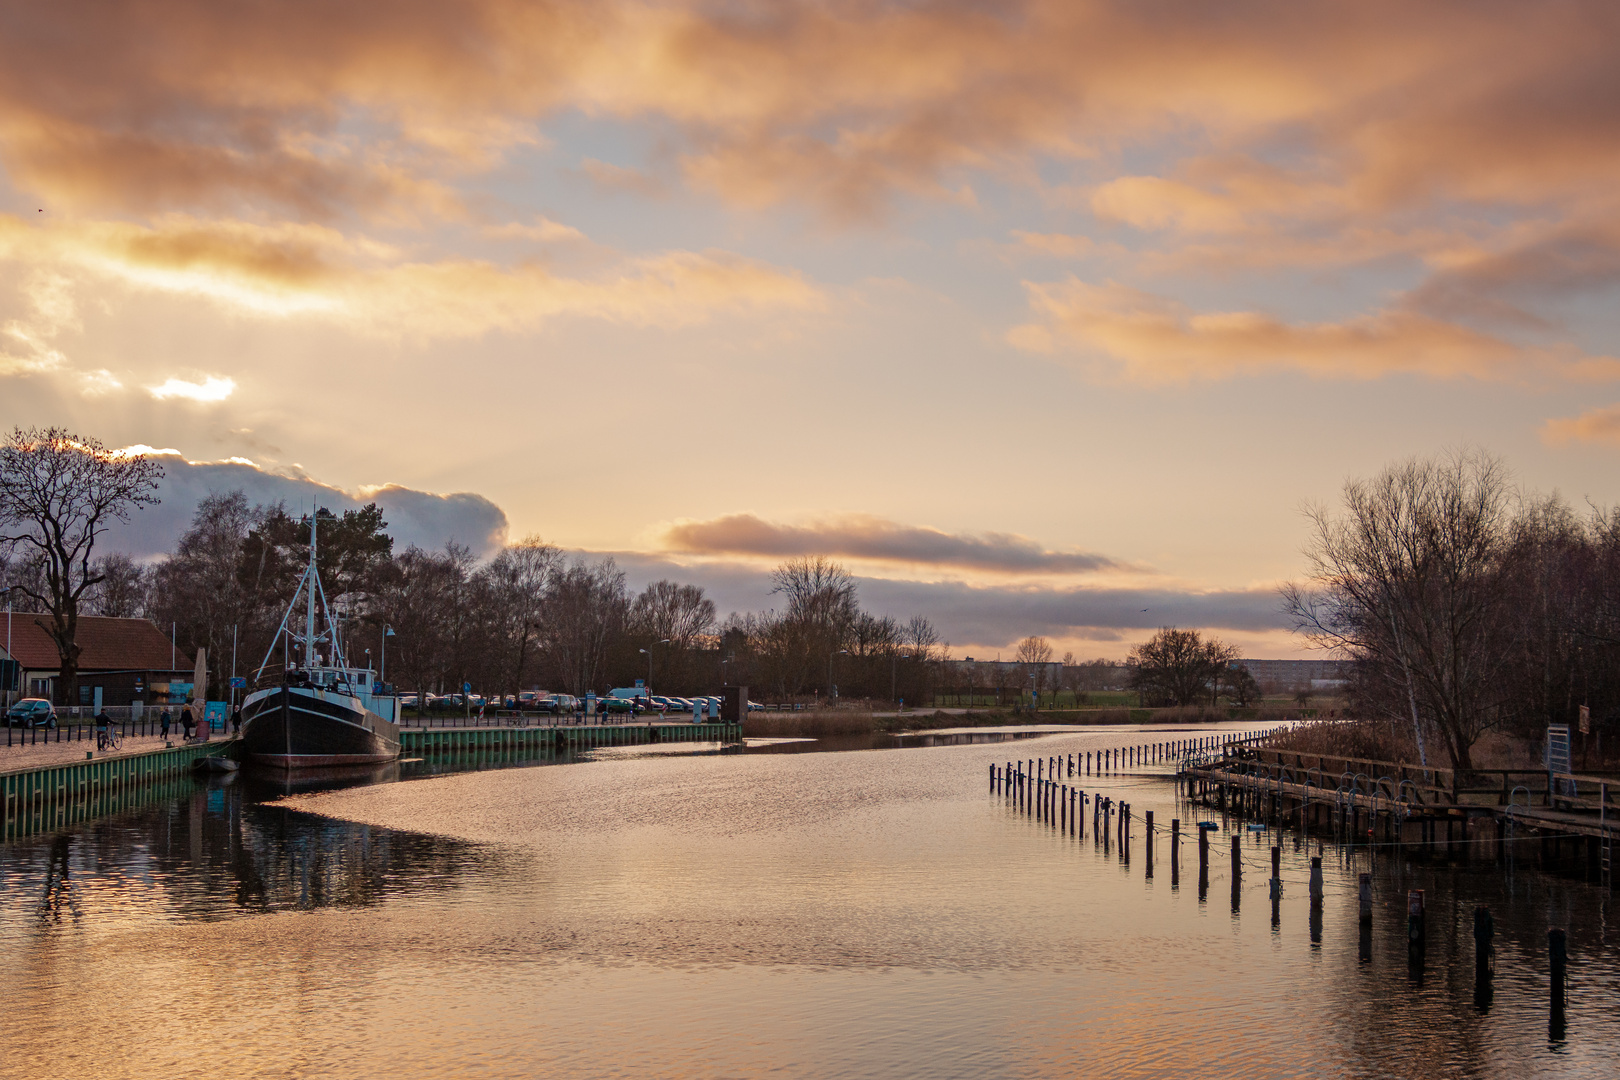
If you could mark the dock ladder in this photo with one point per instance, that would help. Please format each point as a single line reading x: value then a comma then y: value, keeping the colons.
x: 1605, y: 841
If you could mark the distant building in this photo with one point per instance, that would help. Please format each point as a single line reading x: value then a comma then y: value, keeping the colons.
x: 1276, y: 676
x: 1004, y: 672
x: 121, y: 661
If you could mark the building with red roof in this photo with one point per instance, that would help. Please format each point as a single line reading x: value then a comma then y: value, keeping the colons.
x: 126, y: 660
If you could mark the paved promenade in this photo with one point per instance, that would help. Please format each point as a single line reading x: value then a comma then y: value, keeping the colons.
x: 59, y: 753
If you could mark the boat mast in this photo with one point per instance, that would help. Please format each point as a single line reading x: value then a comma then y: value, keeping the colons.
x: 310, y: 578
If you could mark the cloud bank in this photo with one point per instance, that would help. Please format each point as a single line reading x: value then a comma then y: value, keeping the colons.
x: 875, y: 539
x: 995, y: 616
x: 421, y: 518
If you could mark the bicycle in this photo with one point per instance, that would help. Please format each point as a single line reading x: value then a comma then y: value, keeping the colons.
x: 109, y: 739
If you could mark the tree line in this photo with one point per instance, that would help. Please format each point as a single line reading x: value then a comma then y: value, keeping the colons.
x: 1468, y: 605
x: 530, y: 616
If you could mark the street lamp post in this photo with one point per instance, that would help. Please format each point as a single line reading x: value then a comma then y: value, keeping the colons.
x: 648, y: 651
x: 382, y: 673
x: 832, y: 690
x: 893, y: 686
x: 10, y: 659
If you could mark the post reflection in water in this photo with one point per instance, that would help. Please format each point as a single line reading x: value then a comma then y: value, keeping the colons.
x: 859, y: 913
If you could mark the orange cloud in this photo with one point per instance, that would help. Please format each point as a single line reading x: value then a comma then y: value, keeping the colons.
x: 1596, y: 426
x: 313, y: 270
x: 1159, y: 340
x: 321, y: 106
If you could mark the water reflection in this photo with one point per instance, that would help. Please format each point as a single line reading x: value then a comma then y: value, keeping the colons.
x: 220, y: 851
x: 851, y: 914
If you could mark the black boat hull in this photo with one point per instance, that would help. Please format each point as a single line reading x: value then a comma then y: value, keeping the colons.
x: 299, y: 727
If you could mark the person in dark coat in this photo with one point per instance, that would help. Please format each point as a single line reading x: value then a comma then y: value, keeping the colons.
x: 236, y: 721
x: 185, y: 719
x: 164, y: 722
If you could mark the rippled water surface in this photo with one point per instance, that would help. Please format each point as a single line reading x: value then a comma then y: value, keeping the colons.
x: 781, y: 911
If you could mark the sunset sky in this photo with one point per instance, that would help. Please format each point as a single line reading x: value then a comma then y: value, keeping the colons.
x: 1037, y: 315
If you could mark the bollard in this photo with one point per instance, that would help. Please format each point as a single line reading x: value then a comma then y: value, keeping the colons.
x: 1237, y: 860
x: 1364, y: 898
x: 1558, y: 961
x: 1316, y: 881
x: 1276, y: 872
x: 1080, y: 818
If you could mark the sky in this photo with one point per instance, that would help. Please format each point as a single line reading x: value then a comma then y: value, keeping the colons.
x: 1042, y: 317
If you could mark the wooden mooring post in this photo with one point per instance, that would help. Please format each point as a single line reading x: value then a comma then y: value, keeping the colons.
x: 1557, y: 962
x: 1175, y: 853
x: 1147, y: 841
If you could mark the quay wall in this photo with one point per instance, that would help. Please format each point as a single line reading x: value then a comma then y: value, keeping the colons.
x: 66, y: 793
x: 430, y: 741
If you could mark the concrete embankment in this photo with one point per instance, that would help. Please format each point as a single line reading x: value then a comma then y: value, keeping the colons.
x: 48, y: 788
x: 61, y: 793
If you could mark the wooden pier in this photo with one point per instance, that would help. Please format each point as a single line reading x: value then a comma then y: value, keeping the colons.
x: 1480, y: 811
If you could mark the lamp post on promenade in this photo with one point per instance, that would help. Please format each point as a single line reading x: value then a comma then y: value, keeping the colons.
x: 648, y: 651
x: 832, y: 691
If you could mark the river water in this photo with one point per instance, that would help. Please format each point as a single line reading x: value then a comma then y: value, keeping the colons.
x: 784, y: 911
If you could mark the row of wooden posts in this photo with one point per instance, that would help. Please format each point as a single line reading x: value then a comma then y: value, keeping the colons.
x: 1034, y: 787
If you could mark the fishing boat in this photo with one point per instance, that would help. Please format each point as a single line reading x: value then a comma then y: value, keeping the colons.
x: 317, y: 711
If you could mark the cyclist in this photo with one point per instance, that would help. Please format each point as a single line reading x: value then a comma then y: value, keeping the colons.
x: 104, y: 733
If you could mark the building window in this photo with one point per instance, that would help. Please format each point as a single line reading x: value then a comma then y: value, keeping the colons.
x: 84, y: 695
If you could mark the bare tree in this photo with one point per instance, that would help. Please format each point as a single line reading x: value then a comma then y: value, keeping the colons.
x: 122, y: 591
x: 198, y: 588
x: 818, y: 591
x: 1179, y: 667
x: 1033, y: 654
x: 518, y: 580
x: 59, y: 492
x: 667, y: 609
x: 587, y: 611
x: 1407, y: 583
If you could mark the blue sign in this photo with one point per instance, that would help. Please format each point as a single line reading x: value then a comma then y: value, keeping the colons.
x: 466, y: 688
x: 238, y: 683
x: 640, y: 683
x: 214, y: 713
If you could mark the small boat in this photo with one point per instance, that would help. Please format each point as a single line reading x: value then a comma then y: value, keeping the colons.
x: 319, y: 711
x: 215, y: 763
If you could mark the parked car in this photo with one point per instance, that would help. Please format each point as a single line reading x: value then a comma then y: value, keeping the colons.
x: 528, y: 699
x: 31, y: 712
x: 407, y: 701
x: 754, y: 706
x: 619, y: 705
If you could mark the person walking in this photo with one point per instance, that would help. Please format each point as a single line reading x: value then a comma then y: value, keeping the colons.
x: 185, y: 719
x: 163, y: 722
x: 236, y: 721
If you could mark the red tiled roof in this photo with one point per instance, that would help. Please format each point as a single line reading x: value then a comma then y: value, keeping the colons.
x: 105, y: 644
